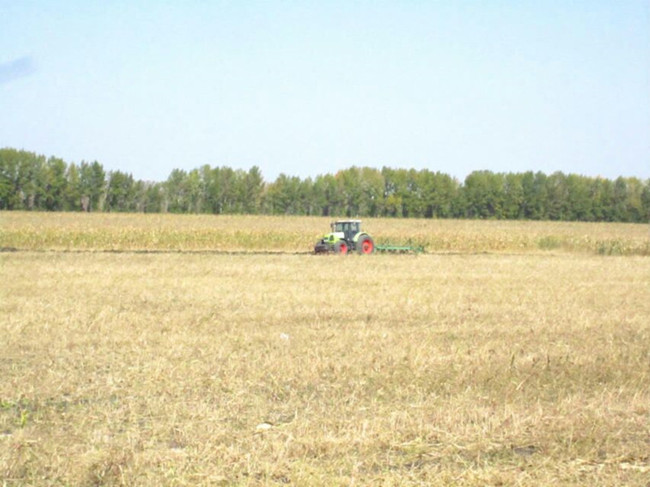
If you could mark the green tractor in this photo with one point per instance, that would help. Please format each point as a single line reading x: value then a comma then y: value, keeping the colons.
x: 346, y: 236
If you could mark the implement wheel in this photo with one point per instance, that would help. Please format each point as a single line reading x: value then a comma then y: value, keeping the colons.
x: 341, y: 247
x: 365, y: 245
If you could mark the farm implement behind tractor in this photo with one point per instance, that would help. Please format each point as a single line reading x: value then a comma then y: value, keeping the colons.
x: 346, y: 236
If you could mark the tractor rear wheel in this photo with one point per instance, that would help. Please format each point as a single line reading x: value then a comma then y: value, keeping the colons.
x: 366, y: 245
x: 341, y: 247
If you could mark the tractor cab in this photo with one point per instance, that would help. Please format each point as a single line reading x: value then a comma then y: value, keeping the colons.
x: 349, y: 228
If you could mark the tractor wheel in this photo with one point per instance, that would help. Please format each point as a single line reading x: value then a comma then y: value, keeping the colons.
x: 341, y: 247
x: 365, y: 245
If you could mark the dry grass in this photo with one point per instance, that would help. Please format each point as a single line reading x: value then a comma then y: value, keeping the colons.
x: 205, y: 369
x: 74, y: 231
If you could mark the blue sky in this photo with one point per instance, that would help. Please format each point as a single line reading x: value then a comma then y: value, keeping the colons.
x: 308, y: 88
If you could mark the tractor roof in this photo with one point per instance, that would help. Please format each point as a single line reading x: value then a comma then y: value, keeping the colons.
x: 347, y: 221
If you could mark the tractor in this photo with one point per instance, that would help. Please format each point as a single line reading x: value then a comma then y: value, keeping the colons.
x: 346, y: 236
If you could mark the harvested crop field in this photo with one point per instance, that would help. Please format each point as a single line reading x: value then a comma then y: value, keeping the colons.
x: 467, y: 368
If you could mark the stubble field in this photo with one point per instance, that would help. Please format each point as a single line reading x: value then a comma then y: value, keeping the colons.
x: 190, y: 367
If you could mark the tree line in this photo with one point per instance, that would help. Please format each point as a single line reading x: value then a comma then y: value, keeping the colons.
x: 29, y: 181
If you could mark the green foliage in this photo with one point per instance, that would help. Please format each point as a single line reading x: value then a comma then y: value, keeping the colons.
x: 120, y: 192
x: 92, y: 184
x: 31, y: 182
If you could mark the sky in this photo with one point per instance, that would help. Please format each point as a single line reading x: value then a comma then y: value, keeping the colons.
x: 312, y: 87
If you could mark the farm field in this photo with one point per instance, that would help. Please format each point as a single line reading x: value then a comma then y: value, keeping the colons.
x: 156, y: 232
x: 465, y: 366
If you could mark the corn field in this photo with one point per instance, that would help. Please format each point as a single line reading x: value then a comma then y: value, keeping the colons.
x: 137, y: 232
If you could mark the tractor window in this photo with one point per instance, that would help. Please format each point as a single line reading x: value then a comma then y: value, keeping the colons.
x: 350, y: 229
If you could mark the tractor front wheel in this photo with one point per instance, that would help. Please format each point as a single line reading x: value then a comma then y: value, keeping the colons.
x: 366, y: 245
x: 341, y: 248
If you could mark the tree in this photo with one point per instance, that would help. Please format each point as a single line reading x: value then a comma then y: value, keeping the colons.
x: 645, y: 201
x: 634, y: 201
x: 601, y: 194
x: 33, y: 182
x: 327, y: 197
x: 484, y: 195
x: 412, y: 195
x: 9, y: 177
x: 580, y: 205
x: 289, y: 196
x: 120, y: 194
x: 513, y: 204
x: 251, y: 189
x: 55, y: 184
x: 535, y: 196
x: 154, y: 198
x: 210, y: 188
x: 194, y: 187
x: 72, y: 200
x: 439, y: 191
x: 558, y: 197
x: 395, y: 192
x: 176, y: 192
x: 372, y: 192
x: 92, y: 183
x: 350, y: 186
x: 619, y: 206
